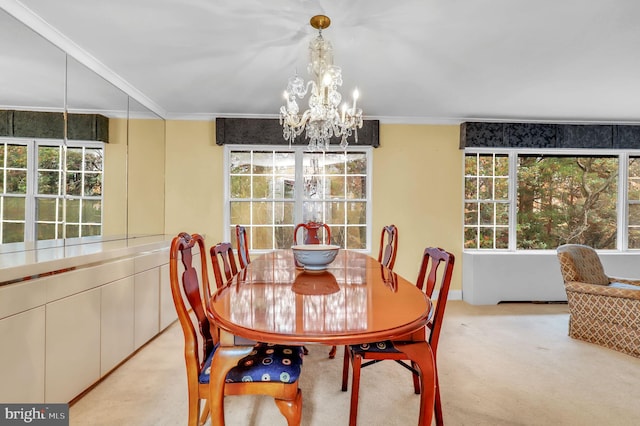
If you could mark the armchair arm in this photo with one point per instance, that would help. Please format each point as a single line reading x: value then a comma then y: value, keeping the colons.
x: 625, y: 280
x: 601, y: 290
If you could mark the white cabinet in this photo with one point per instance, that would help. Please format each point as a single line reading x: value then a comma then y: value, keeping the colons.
x: 147, y: 306
x: 22, y: 355
x: 62, y: 332
x: 116, y: 323
x: 72, y: 345
x: 168, y: 312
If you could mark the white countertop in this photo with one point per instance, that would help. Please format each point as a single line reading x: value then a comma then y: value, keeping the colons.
x: 18, y: 262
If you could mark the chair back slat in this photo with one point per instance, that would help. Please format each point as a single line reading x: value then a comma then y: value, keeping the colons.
x: 428, y: 278
x: 242, y: 245
x: 388, y: 246
x: 187, y: 291
x: 222, y: 253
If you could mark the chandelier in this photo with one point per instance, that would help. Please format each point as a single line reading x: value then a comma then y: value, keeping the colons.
x: 325, y: 117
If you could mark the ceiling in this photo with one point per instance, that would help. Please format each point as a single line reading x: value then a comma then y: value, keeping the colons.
x: 413, y: 61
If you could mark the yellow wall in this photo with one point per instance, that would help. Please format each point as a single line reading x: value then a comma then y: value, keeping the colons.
x: 417, y: 184
x: 194, y: 179
x: 115, y: 180
x: 146, y: 177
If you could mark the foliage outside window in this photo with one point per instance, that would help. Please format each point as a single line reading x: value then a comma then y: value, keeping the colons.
x: 270, y: 191
x: 41, y: 198
x: 553, y: 199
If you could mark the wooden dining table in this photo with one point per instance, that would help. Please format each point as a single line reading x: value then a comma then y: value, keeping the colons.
x: 355, y: 300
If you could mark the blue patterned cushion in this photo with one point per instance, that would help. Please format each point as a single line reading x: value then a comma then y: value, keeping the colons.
x: 385, y: 346
x: 266, y: 363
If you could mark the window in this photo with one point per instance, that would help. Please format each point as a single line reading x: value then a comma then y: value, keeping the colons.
x: 554, y: 198
x: 272, y: 190
x: 41, y: 199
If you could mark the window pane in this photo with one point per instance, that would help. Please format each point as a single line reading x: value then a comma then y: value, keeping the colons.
x: 470, y: 238
x: 49, y: 157
x: 336, y: 213
x: 262, y: 187
x: 486, y: 214
x: 91, y: 212
x: 284, y: 237
x: 262, y: 213
x: 74, y: 159
x: 46, y: 209
x: 356, y: 237
x: 334, y: 187
x: 48, y: 183
x: 502, y: 214
x: 634, y: 214
x: 93, y: 160
x: 73, y: 231
x: 471, y: 188
x: 240, y: 186
x: 486, y: 188
x: 283, y: 213
x: 16, y: 181
x: 240, y: 162
x: 501, y: 189
x: 335, y: 164
x: 566, y: 199
x: 73, y: 211
x: 14, y: 208
x: 356, y: 213
x: 17, y: 156
x: 91, y: 230
x: 12, y: 232
x: 262, y: 238
x: 93, y: 184
x: 240, y: 212
x: 46, y: 231
x: 357, y: 163
x: 263, y: 163
x: 74, y: 183
x: 470, y: 213
x: 356, y: 187
x: 486, y: 237
x: 634, y: 238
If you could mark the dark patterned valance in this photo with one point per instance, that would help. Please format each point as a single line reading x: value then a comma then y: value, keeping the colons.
x: 50, y: 125
x: 266, y: 131
x: 543, y: 135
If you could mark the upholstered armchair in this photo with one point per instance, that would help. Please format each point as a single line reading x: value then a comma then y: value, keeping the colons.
x: 603, y: 310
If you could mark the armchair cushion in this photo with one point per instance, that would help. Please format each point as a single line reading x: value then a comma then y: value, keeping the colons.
x: 266, y: 363
x: 624, y: 286
x: 581, y: 263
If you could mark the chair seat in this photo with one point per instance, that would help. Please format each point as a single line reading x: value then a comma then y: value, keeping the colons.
x: 266, y: 363
x: 384, y: 346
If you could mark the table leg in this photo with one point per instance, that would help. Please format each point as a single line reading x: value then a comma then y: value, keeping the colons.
x: 225, y: 358
x: 421, y: 354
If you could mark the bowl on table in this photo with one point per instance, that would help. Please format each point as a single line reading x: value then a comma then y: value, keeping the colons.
x: 314, y: 257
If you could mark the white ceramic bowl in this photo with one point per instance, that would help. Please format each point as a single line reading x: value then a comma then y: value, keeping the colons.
x: 315, y: 257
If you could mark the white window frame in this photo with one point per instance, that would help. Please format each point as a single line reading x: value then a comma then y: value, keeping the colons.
x: 622, y: 202
x: 299, y: 190
x: 32, y: 145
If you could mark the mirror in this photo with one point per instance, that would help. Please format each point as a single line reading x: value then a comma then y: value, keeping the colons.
x: 37, y: 77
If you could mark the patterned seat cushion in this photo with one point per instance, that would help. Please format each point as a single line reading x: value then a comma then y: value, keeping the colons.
x: 266, y: 363
x: 384, y: 346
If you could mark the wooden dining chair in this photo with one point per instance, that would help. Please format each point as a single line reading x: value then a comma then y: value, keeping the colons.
x: 428, y: 278
x: 310, y: 233
x: 222, y: 253
x: 271, y: 370
x: 388, y: 246
x: 242, y: 246
x: 386, y: 257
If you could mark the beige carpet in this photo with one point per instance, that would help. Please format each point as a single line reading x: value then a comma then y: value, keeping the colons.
x: 510, y: 364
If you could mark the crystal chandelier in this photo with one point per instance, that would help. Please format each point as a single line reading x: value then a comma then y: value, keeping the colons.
x: 325, y: 117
